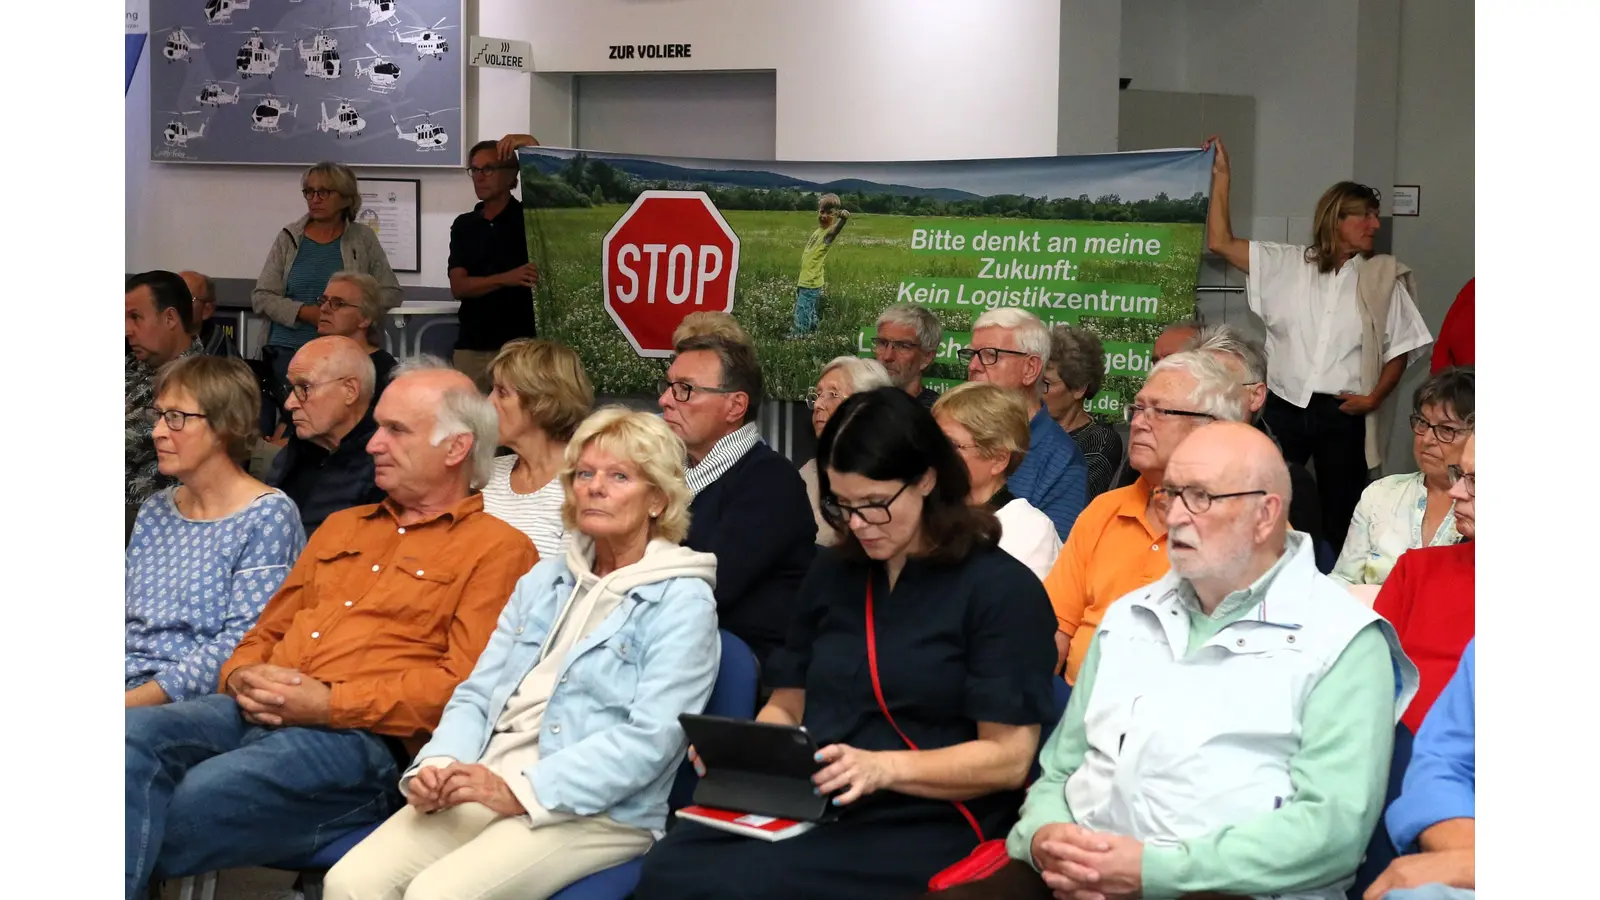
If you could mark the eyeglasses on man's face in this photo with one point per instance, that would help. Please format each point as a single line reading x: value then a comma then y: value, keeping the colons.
x: 683, y: 390
x: 1446, y: 434
x: 1157, y: 414
x: 480, y: 171
x: 870, y: 513
x: 987, y: 355
x: 1198, y: 499
x: 1471, y: 478
x: 885, y: 344
x: 302, y: 391
x: 317, y: 193
x: 175, y: 418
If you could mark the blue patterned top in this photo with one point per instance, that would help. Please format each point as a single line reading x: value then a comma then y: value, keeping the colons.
x: 314, y: 263
x: 1053, y: 475
x: 195, y: 587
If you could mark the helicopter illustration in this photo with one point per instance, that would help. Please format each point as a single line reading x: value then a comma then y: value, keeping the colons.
x: 322, y: 56
x: 427, y: 135
x: 178, y: 134
x: 381, y: 72
x: 255, y: 58
x: 213, y: 93
x: 179, y: 45
x: 220, y: 12
x: 427, y: 39
x: 269, y: 112
x: 344, y: 121
x: 381, y: 10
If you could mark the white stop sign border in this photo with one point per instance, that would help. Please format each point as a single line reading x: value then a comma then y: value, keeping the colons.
x: 605, y: 264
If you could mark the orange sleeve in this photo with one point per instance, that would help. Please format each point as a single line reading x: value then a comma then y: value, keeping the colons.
x: 1065, y: 583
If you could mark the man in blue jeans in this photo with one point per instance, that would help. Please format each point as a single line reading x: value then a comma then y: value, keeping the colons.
x: 351, y: 663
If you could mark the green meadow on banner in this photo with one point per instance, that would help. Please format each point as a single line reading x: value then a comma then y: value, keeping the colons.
x: 806, y: 255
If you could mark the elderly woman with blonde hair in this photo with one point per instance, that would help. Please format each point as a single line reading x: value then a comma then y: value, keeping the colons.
x: 988, y: 426
x: 841, y: 378
x: 554, y: 759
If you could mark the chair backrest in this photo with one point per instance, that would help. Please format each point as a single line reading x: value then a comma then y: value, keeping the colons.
x: 732, y: 696
x: 1380, y: 849
x: 1063, y: 693
x: 1325, y: 555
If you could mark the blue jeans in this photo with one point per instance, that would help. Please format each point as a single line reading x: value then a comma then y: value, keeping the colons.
x: 207, y: 790
x: 805, y: 309
x: 1430, y: 892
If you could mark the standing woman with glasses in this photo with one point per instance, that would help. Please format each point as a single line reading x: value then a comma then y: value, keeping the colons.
x: 304, y: 256
x: 206, y: 554
x: 1403, y: 512
x: 919, y: 659
x: 844, y: 376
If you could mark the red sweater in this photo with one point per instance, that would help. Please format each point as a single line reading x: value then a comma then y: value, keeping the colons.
x: 1457, y: 334
x: 1428, y: 598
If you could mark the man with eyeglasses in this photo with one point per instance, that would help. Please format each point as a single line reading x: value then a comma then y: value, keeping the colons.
x: 325, y: 467
x: 906, y: 342
x: 1231, y: 729
x: 1120, y: 542
x: 157, y: 322
x: 1430, y: 594
x: 488, y: 267
x: 1010, y: 347
x: 750, y: 506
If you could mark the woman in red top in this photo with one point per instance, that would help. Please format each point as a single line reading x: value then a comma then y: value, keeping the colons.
x: 1456, y: 335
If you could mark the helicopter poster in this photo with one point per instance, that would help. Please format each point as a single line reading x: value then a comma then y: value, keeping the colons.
x: 295, y: 82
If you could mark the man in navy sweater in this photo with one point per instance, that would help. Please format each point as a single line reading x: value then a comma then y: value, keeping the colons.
x: 750, y: 506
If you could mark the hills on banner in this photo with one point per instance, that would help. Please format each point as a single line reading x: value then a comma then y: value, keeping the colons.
x: 582, y: 180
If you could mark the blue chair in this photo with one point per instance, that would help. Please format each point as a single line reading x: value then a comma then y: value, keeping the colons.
x: 1325, y: 555
x: 1380, y: 850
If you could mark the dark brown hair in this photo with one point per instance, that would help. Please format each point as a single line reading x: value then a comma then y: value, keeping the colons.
x: 740, y: 370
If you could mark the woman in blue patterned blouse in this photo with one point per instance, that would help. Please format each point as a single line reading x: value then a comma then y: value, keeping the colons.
x: 207, y: 554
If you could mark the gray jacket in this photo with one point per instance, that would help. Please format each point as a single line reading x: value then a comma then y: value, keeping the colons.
x: 361, y: 252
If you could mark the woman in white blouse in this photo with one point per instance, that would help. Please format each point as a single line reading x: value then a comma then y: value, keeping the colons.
x: 1403, y: 512
x: 541, y: 394
x: 989, y: 427
x: 841, y: 378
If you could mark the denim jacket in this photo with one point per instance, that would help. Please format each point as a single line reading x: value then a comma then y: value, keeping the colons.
x: 610, y: 739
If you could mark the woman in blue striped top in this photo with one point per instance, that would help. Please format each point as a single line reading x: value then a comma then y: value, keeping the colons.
x: 305, y: 254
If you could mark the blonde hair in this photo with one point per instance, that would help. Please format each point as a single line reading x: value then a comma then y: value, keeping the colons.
x: 717, y: 324
x: 827, y: 204
x: 549, y: 381
x: 341, y: 180
x: 645, y: 440
x: 1347, y: 198
x: 227, y: 392
x: 996, y: 418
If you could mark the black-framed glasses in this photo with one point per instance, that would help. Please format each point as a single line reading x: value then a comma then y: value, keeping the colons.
x: 1162, y: 415
x: 475, y: 171
x: 1446, y: 434
x: 175, y: 418
x: 332, y: 304
x: 683, y: 390
x: 1471, y: 478
x: 814, y: 396
x: 1198, y: 499
x: 879, y: 343
x: 303, y: 391
x: 870, y: 513
x: 987, y: 355
x: 317, y: 193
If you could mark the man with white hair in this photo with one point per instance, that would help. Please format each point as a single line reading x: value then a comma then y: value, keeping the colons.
x: 1010, y: 347
x: 347, y: 671
x: 1231, y: 730
x: 906, y: 342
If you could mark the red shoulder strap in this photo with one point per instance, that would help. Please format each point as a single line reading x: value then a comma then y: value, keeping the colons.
x: 877, y: 690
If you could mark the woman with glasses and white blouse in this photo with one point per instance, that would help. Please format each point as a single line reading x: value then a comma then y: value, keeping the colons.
x: 842, y: 377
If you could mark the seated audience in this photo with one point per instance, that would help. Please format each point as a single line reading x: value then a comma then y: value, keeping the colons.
x: 1434, y: 820
x: 844, y: 376
x: 988, y: 426
x: 749, y: 505
x: 963, y: 657
x: 541, y: 393
x: 325, y: 466
x: 1120, y: 542
x: 213, y: 340
x: 1231, y: 728
x: 1011, y: 348
x: 1174, y: 338
x: 205, y: 555
x: 328, y: 697
x: 719, y: 324
x: 906, y: 342
x: 352, y: 306
x: 615, y: 637
x: 1429, y: 597
x: 1077, y: 366
x: 157, y: 311
x: 1402, y: 512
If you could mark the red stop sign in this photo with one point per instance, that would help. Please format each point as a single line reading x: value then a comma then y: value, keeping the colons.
x: 671, y: 254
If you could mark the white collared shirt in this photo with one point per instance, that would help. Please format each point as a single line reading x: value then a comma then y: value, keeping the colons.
x: 1314, y: 322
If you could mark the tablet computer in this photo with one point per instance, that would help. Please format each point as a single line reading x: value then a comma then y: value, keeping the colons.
x: 756, y: 767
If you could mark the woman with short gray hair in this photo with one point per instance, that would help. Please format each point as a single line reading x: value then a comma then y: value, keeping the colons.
x: 352, y: 306
x: 841, y: 378
x: 1071, y: 379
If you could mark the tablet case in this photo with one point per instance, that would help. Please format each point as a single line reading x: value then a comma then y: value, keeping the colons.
x: 756, y: 767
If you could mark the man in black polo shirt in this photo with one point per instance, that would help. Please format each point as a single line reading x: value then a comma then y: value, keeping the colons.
x: 325, y: 467
x: 489, y: 269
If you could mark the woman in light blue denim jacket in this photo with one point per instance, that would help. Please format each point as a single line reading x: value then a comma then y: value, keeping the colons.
x: 554, y: 759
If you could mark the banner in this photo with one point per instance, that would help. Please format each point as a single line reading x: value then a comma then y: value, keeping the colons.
x: 806, y: 255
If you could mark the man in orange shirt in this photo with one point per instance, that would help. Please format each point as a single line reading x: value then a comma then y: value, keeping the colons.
x: 351, y: 663
x: 1119, y: 543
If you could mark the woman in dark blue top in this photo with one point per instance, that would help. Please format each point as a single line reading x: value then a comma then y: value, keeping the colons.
x: 964, y: 654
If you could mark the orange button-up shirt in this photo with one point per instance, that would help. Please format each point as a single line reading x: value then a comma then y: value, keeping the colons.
x: 392, y: 617
x: 1111, y: 551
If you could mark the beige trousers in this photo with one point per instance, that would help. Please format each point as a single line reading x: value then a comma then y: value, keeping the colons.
x: 470, y: 852
x: 475, y: 365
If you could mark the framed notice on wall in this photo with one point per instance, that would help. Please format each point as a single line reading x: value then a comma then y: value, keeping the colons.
x: 392, y: 207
